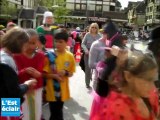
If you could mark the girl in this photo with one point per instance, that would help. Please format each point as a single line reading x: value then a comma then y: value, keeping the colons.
x: 137, y: 97
x: 30, y: 65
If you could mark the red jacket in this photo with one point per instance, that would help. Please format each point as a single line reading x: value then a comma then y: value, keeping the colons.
x: 24, y: 62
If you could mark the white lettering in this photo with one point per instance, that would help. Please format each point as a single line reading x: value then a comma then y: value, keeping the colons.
x: 3, y: 103
x: 10, y: 108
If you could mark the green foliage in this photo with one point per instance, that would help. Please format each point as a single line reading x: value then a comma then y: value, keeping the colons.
x: 50, y: 3
x: 7, y: 9
x: 59, y: 12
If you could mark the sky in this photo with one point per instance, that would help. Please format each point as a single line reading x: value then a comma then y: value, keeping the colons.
x: 124, y: 3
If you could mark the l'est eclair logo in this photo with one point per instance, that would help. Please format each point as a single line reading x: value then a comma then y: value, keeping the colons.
x: 10, y: 106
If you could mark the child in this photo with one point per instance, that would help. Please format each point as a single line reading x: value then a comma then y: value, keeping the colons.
x: 124, y: 41
x: 30, y: 65
x: 57, y: 86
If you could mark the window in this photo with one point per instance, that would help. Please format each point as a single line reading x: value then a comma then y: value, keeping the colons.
x: 112, y: 8
x: 83, y: 6
x: 77, y: 6
x: 158, y: 8
x: 99, y: 8
x: 157, y: 16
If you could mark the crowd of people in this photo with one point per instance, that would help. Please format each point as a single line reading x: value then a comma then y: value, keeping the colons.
x: 35, y: 65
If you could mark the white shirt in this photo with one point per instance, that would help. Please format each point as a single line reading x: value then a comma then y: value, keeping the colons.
x: 8, y: 59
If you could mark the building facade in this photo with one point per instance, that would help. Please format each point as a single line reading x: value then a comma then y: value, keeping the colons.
x: 88, y: 11
x: 152, y: 12
x: 136, y: 13
x: 10, y: 9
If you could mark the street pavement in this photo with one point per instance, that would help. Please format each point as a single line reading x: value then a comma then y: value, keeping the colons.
x: 78, y: 107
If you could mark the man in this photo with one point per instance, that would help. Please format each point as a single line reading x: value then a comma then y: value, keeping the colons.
x: 47, y: 30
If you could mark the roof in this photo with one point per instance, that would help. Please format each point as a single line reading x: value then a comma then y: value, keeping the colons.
x: 140, y: 8
x: 27, y: 13
x: 41, y: 9
x: 31, y: 13
x: 115, y: 15
x: 131, y: 4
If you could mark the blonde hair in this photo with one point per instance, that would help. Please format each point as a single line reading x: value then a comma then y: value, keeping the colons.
x: 14, y: 39
x: 137, y: 63
x: 95, y: 25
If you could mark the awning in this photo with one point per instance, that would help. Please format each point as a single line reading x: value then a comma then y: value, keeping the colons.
x: 5, y: 16
x: 74, y: 17
x: 27, y: 14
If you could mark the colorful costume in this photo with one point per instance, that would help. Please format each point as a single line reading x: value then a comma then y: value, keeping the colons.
x: 63, y: 62
x: 118, y: 106
x: 49, y: 35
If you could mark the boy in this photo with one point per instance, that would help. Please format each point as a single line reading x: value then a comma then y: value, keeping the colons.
x: 61, y: 68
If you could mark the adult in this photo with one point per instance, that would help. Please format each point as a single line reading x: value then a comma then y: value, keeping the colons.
x: 87, y: 41
x: 97, y: 53
x: 12, y: 43
x: 47, y: 30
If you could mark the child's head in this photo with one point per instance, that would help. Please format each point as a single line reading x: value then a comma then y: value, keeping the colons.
x: 61, y: 39
x: 138, y: 72
x: 32, y: 43
x: 123, y: 39
x: 15, y: 39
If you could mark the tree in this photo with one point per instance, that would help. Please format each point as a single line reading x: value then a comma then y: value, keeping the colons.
x: 118, y: 4
x: 8, y: 9
x: 50, y: 3
x: 59, y: 12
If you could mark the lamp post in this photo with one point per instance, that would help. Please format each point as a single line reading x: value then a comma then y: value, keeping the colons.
x: 87, y: 17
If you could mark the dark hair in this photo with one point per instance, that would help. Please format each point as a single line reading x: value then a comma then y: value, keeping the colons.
x: 154, y: 45
x: 42, y: 39
x: 111, y: 29
x: 61, y: 34
x: 123, y: 37
x: 14, y: 39
x: 112, y: 33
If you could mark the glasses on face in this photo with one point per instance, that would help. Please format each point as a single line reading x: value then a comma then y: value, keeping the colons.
x: 94, y: 27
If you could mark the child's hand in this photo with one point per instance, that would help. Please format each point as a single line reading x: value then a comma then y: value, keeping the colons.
x: 57, y: 77
x: 62, y: 73
x: 33, y: 72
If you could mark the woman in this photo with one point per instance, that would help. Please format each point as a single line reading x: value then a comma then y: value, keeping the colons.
x: 137, y: 97
x: 12, y: 43
x: 87, y: 41
x: 97, y: 52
